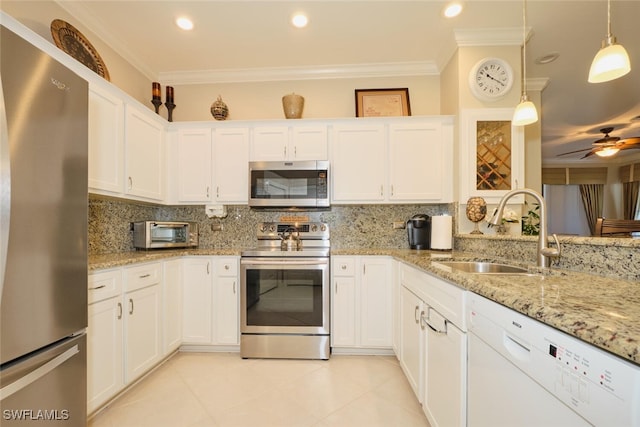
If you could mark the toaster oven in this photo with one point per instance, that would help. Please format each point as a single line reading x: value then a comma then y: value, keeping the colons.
x: 164, y: 234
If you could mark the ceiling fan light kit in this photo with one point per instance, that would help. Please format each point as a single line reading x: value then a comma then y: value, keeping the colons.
x: 526, y: 112
x: 612, y: 60
x: 607, y: 151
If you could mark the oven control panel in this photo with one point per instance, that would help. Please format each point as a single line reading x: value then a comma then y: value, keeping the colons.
x: 305, y: 230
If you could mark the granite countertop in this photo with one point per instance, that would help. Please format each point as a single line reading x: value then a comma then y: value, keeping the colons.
x: 599, y: 310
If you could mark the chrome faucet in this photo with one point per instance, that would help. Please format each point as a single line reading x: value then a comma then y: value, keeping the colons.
x: 544, y: 251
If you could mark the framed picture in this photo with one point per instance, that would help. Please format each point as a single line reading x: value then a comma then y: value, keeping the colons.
x: 382, y: 102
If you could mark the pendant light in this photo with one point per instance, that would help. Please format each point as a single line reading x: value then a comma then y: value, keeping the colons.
x: 525, y: 112
x: 612, y: 60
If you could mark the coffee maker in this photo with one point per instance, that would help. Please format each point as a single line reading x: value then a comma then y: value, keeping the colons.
x: 419, y: 231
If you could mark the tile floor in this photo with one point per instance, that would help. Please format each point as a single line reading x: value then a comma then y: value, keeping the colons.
x: 222, y: 389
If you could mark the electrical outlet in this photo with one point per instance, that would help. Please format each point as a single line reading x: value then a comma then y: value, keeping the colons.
x: 216, y: 227
x: 399, y: 225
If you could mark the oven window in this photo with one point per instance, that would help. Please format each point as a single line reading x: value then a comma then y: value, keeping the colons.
x: 292, y: 184
x: 284, y: 297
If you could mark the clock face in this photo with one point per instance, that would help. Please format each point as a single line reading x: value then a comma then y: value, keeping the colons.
x: 491, y: 78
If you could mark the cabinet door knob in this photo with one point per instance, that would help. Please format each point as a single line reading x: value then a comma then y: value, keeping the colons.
x: 343, y: 266
x: 226, y: 267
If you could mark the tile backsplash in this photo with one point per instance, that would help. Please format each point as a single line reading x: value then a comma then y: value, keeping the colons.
x: 357, y: 226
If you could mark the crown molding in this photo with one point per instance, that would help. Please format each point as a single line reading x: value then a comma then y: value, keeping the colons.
x: 537, y: 84
x: 511, y: 36
x: 344, y: 71
x: 88, y: 20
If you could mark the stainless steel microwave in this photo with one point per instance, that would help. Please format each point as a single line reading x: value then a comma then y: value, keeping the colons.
x: 295, y: 184
x: 164, y: 234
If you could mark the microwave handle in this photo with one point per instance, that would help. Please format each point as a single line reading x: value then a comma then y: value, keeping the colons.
x: 155, y: 224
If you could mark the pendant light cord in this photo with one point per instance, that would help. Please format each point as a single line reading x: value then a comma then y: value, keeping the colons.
x: 524, y: 47
x: 608, y: 19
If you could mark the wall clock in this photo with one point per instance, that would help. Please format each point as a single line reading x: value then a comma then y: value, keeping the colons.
x: 491, y: 79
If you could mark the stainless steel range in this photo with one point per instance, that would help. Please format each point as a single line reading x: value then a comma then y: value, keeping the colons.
x: 285, y: 292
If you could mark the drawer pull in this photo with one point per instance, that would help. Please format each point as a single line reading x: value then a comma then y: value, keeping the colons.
x: 343, y: 266
x: 130, y: 306
x: 226, y: 266
x: 119, y: 311
x: 98, y: 287
x: 144, y: 276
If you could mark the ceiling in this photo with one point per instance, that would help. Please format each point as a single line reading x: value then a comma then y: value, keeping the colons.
x: 256, y: 35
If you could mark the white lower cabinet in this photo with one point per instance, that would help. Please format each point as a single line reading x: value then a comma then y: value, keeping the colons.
x: 172, y: 305
x: 433, y: 345
x: 197, y: 300
x: 210, y: 301
x: 226, y: 302
x: 445, y: 379
x: 412, y: 340
x: 142, y: 319
x: 104, y: 338
x: 361, y: 302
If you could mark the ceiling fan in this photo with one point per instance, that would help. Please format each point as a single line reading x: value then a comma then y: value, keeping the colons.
x: 608, y: 145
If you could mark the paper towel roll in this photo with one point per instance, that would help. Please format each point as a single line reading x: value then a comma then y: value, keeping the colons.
x: 441, y: 232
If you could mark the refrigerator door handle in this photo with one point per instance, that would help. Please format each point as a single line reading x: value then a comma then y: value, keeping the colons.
x: 38, y: 372
x: 5, y: 189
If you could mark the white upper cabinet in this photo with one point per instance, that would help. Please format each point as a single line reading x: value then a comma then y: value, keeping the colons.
x: 296, y: 142
x: 491, y: 155
x: 194, y: 165
x: 106, y: 142
x: 421, y: 161
x: 358, y: 163
x: 231, y: 165
x: 408, y: 160
x: 144, y: 154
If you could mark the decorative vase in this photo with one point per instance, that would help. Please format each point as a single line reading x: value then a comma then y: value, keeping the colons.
x: 292, y: 105
x: 219, y: 109
x: 476, y: 211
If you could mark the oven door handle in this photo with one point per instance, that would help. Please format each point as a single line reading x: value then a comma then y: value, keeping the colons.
x: 282, y: 261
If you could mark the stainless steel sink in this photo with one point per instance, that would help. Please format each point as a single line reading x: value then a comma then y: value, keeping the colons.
x: 481, y: 267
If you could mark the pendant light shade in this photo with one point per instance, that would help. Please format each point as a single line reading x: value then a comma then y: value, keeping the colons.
x: 525, y: 113
x: 612, y: 60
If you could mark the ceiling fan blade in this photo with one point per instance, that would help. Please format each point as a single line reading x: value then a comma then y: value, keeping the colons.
x: 589, y: 154
x: 572, y: 152
x: 630, y: 147
x: 630, y: 141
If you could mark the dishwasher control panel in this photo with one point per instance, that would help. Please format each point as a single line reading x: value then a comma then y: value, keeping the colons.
x: 602, y: 388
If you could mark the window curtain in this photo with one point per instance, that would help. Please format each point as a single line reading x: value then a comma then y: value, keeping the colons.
x: 630, y: 192
x: 592, y: 195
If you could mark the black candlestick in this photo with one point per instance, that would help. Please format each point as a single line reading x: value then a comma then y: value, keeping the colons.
x: 156, y: 103
x: 170, y: 106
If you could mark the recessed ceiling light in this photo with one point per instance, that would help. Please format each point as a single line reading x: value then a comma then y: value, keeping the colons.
x: 453, y: 10
x: 546, y: 59
x: 184, y: 23
x: 299, y: 20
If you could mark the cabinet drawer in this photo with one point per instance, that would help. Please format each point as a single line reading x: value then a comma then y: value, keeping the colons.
x: 227, y: 267
x: 141, y: 276
x: 103, y: 285
x: 344, y: 266
x: 444, y: 297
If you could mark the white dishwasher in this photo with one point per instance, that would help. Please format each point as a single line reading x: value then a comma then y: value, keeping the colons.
x: 524, y: 373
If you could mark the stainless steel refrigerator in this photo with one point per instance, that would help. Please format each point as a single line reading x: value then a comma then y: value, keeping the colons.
x: 43, y: 238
